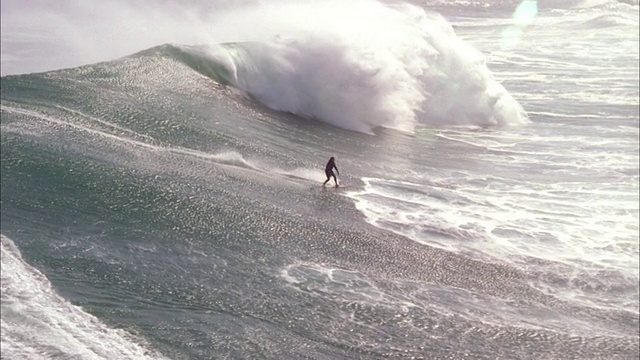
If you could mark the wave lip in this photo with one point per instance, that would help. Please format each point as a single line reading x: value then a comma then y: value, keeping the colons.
x: 386, y: 66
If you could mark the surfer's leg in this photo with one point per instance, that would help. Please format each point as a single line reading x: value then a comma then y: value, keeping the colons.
x: 329, y: 174
x: 334, y: 179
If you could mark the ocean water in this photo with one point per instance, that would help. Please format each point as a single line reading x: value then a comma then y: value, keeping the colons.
x: 168, y: 204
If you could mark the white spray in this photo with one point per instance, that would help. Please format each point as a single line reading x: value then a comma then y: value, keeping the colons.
x: 359, y: 64
x: 366, y: 64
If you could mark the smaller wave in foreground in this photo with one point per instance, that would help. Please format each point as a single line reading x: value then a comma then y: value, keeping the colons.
x: 63, y: 330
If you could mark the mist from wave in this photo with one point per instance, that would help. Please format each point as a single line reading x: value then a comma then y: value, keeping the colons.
x: 358, y: 65
x: 336, y: 63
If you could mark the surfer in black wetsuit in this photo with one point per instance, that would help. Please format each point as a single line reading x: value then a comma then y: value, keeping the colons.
x: 328, y: 170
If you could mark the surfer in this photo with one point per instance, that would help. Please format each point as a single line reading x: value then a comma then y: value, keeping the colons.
x: 328, y: 170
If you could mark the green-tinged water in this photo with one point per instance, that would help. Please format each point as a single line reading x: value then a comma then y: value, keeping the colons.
x: 159, y: 213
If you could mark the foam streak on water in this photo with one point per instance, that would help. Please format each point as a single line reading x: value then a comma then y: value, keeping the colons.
x: 570, y: 206
x: 38, y: 324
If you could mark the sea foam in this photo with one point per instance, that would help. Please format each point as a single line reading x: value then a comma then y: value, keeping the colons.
x: 363, y: 64
x: 39, y: 324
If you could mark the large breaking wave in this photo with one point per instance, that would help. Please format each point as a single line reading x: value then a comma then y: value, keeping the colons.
x: 348, y: 70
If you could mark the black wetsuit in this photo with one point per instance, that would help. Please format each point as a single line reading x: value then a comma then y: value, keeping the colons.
x: 328, y: 170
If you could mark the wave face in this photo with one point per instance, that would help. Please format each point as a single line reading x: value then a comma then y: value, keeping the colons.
x: 356, y: 74
x: 154, y: 206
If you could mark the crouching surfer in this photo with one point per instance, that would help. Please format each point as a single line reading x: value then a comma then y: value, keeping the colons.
x: 328, y: 170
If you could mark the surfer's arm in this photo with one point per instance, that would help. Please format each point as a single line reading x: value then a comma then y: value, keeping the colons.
x: 335, y: 167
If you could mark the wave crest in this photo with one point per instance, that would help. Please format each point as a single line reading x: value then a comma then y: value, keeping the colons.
x: 360, y: 75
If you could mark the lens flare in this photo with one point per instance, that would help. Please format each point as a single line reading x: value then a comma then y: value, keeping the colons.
x: 524, y: 14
